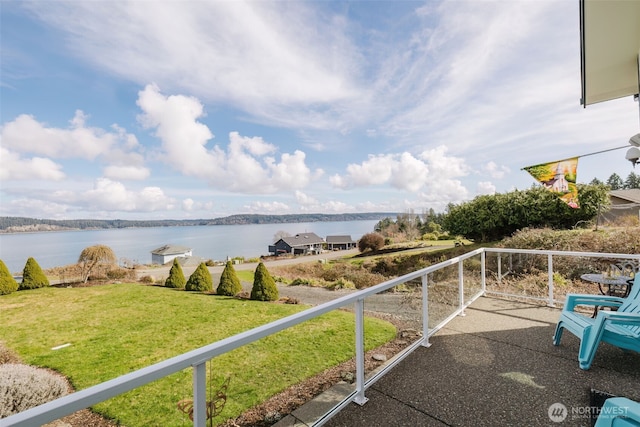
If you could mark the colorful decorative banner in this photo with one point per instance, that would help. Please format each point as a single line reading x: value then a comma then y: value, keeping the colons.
x: 560, y: 177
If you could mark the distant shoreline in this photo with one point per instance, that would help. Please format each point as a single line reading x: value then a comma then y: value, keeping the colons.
x: 15, y: 225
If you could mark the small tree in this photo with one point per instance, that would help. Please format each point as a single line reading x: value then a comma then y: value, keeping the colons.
x: 200, y: 279
x: 32, y: 276
x: 264, y: 287
x: 7, y: 283
x: 373, y: 241
x: 92, y: 256
x: 176, y: 277
x: 229, y: 282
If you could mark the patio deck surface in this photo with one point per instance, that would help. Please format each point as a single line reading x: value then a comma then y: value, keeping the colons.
x: 496, y: 366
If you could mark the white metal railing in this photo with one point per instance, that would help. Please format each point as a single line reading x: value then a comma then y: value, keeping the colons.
x: 198, y: 358
x: 551, y: 300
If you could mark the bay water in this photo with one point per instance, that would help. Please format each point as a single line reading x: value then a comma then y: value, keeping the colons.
x: 134, y: 245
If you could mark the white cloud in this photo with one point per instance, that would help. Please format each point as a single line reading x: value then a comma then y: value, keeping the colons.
x: 305, y: 200
x: 25, y: 134
x: 375, y: 170
x: 247, y: 166
x: 335, y: 206
x: 495, y: 171
x: 409, y: 173
x: 16, y: 168
x: 188, y: 204
x: 271, y: 207
x: 485, y: 187
x: 433, y: 172
x: 110, y: 195
x: 126, y: 172
x: 191, y: 206
x: 30, y: 146
x: 26, y: 206
x: 259, y: 56
x: 442, y: 166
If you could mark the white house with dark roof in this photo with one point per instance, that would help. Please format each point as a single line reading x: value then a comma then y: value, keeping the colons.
x: 335, y: 243
x: 300, y: 244
x: 167, y: 253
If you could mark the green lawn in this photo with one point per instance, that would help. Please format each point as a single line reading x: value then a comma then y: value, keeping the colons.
x: 116, y: 329
x: 244, y: 275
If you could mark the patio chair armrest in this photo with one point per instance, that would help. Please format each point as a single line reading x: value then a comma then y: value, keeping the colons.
x: 619, y: 317
x: 573, y: 300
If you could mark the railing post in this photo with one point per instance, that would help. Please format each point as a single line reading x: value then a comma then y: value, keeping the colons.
x: 499, y: 267
x: 360, y: 398
x: 461, y: 288
x: 425, y: 312
x: 200, y: 394
x: 550, y: 267
x: 483, y: 271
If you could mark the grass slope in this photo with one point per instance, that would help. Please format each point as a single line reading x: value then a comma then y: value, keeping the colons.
x: 116, y: 329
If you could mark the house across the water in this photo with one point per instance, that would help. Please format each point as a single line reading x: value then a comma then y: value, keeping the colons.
x: 167, y: 253
x: 300, y: 244
x: 340, y: 243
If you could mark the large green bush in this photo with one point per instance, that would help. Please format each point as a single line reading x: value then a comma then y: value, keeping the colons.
x: 7, y: 283
x: 229, y: 282
x: 200, y: 279
x: 176, y: 277
x: 264, y: 287
x: 32, y: 276
x: 493, y: 217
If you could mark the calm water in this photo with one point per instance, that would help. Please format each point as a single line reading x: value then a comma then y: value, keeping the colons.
x: 52, y: 249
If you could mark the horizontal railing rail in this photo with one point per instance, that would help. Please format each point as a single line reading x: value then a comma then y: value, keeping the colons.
x: 551, y: 300
x: 198, y: 358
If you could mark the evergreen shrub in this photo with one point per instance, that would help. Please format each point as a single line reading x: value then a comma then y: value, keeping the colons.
x: 229, y: 282
x: 200, y: 279
x: 176, y: 277
x: 32, y: 276
x: 264, y: 287
x: 7, y: 283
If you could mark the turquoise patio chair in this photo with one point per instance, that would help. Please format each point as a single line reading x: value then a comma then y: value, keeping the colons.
x: 620, y: 328
x: 619, y: 412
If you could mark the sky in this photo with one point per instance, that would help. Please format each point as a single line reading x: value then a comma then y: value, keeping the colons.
x: 204, y: 109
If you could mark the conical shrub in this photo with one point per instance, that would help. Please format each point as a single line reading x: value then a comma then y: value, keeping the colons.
x: 7, y: 283
x: 264, y: 287
x: 32, y: 276
x: 200, y: 279
x: 229, y: 282
x: 176, y: 277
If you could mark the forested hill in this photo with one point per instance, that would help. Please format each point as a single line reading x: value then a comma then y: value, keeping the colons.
x: 21, y: 224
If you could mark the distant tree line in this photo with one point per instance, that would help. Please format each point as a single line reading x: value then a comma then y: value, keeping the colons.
x: 16, y: 224
x: 616, y: 183
x: 427, y: 225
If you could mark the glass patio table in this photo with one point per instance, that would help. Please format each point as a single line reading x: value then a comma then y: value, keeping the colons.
x: 618, y: 286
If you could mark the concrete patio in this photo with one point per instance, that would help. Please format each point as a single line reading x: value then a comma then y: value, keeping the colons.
x: 496, y: 366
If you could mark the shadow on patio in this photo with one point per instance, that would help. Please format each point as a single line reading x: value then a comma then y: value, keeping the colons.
x: 496, y: 366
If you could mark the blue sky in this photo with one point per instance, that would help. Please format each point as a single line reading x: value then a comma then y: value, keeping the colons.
x: 202, y: 109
